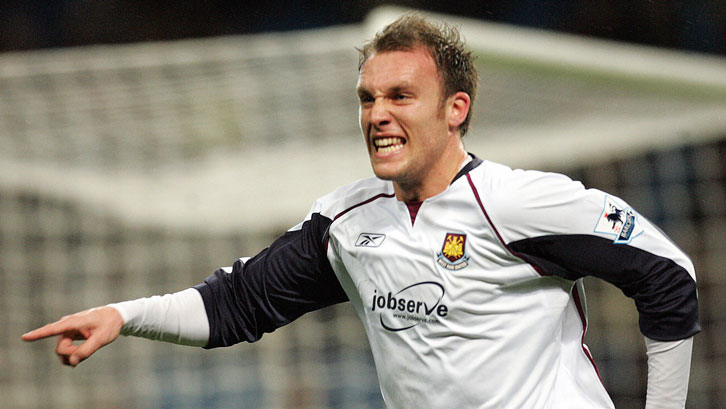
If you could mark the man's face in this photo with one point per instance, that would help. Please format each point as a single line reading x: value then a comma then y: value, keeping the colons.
x: 402, y: 117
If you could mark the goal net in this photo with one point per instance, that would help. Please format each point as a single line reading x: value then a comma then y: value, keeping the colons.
x: 132, y: 170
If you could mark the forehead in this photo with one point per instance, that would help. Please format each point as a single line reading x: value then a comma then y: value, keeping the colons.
x: 394, y: 68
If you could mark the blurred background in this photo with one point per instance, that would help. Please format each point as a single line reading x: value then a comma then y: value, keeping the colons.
x: 689, y: 25
x: 145, y: 144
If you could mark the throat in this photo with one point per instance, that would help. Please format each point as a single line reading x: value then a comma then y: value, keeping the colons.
x: 413, y: 208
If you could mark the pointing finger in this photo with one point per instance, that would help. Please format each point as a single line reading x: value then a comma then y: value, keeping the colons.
x: 46, y: 331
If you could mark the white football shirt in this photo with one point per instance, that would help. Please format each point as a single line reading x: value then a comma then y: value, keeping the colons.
x: 476, y: 304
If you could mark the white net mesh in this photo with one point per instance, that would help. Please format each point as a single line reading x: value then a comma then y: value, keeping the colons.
x: 134, y: 170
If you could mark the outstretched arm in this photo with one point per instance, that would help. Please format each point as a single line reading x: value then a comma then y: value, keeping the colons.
x: 97, y: 326
x: 240, y: 303
x: 178, y: 318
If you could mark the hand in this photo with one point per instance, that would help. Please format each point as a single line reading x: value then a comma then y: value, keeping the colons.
x: 97, y: 326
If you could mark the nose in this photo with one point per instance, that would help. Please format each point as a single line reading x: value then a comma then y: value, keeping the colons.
x: 380, y: 114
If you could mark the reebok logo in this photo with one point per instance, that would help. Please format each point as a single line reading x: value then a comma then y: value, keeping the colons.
x: 370, y: 240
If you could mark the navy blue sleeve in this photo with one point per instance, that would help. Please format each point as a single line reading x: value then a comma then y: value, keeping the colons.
x: 284, y: 281
x: 664, y: 292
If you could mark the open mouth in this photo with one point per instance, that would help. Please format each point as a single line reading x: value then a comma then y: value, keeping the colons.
x: 388, y: 145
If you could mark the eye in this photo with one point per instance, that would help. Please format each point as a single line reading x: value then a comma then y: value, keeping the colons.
x: 401, y: 96
x: 365, y: 99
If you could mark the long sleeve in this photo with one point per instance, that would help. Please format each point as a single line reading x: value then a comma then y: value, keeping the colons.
x: 241, y: 303
x: 669, y: 365
x: 179, y: 318
x: 563, y: 229
x: 284, y: 281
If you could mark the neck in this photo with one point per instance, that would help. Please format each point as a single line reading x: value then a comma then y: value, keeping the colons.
x: 435, y: 181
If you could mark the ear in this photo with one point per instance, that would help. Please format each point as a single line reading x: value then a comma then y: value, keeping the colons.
x: 458, y: 108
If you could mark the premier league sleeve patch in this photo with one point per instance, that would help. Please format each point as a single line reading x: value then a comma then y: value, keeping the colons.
x: 618, y: 221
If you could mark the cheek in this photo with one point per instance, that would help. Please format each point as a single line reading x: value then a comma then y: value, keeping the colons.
x: 362, y: 119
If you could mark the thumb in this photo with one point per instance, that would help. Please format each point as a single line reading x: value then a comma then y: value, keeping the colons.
x: 84, y: 350
x: 106, y: 328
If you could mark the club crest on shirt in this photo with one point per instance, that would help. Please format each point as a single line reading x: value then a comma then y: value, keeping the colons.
x: 453, y: 252
x: 618, y: 221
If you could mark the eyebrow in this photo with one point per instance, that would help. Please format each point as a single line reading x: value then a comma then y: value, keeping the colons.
x: 400, y: 88
x: 362, y: 91
x: 396, y: 89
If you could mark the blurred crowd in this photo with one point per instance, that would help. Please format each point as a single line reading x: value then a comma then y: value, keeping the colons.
x: 681, y: 24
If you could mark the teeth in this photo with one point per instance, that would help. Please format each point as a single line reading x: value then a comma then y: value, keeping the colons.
x: 387, y: 141
x: 387, y: 145
x: 390, y: 149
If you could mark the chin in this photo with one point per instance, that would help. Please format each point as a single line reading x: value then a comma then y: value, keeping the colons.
x: 388, y: 169
x: 386, y: 174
